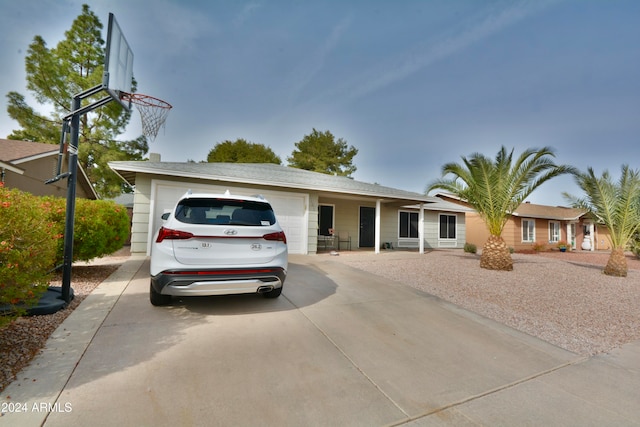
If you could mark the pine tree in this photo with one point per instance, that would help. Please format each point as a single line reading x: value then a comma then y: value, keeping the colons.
x: 320, y: 152
x: 242, y: 151
x: 54, y: 76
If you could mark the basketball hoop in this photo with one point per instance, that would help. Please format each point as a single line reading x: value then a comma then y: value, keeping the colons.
x: 153, y: 112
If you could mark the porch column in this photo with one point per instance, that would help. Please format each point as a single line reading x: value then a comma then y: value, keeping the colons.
x: 377, y: 228
x: 421, y: 229
x: 592, y: 233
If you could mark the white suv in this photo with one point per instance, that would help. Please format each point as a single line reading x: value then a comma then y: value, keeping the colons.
x: 218, y: 244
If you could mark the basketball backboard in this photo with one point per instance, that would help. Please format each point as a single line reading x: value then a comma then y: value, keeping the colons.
x: 118, y: 63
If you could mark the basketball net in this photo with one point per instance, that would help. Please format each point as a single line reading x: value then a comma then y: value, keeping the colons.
x: 153, y: 113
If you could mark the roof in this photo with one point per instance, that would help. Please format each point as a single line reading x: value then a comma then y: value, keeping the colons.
x: 267, y: 174
x: 17, y: 152
x: 14, y: 152
x: 530, y: 210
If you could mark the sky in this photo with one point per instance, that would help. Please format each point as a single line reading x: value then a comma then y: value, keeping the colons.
x: 412, y: 84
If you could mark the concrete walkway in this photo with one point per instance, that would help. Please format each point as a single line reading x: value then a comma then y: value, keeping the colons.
x: 339, y: 347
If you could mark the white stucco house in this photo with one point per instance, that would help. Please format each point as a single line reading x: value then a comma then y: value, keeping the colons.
x: 317, y: 211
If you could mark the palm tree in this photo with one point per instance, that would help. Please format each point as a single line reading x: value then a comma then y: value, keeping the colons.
x: 495, y: 188
x: 614, y: 204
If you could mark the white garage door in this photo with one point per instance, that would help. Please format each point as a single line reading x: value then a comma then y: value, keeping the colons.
x: 289, y: 207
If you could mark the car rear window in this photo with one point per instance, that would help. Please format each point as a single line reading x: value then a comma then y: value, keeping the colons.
x: 225, y: 212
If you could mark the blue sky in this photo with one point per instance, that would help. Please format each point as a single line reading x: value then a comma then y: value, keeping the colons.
x: 411, y: 84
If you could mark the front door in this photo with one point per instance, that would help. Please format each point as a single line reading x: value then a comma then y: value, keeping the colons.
x: 367, y: 227
x: 571, y: 232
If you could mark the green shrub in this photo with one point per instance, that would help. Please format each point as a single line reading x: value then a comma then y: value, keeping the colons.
x: 470, y: 248
x: 539, y: 247
x: 27, y: 251
x: 32, y: 243
x: 100, y: 227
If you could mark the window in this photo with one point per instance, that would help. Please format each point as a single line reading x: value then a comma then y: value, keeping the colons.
x: 213, y: 211
x: 554, y: 232
x: 447, y: 226
x: 528, y: 230
x: 326, y: 219
x: 408, y: 227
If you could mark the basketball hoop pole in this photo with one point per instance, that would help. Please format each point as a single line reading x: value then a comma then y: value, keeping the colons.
x: 116, y: 80
x: 72, y: 175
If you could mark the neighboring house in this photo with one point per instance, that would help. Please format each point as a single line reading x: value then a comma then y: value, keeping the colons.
x: 27, y: 165
x: 540, y: 226
x: 317, y: 211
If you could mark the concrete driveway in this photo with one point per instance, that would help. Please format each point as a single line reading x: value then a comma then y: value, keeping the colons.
x: 339, y: 347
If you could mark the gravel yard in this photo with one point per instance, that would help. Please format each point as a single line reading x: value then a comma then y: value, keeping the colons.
x: 21, y: 340
x: 562, y: 298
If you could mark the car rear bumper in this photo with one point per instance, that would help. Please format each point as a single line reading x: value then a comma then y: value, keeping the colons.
x: 217, y: 282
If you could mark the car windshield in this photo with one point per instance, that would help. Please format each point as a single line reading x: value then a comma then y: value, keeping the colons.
x: 225, y: 212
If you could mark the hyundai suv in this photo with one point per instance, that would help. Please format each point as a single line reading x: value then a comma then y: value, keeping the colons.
x: 218, y: 244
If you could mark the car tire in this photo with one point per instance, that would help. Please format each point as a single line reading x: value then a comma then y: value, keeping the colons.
x: 274, y: 293
x: 158, y: 299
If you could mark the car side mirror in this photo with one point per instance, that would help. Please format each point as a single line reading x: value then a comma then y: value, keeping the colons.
x: 165, y: 216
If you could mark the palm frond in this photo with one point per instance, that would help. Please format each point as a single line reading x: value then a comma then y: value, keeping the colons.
x: 614, y: 204
x: 496, y: 187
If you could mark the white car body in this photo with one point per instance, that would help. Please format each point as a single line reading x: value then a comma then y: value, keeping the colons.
x: 218, y: 244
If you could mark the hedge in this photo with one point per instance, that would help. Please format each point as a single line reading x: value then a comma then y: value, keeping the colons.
x: 28, y: 243
x: 32, y: 241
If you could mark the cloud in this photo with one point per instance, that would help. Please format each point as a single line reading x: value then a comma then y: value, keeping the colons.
x: 180, y: 25
x: 473, y: 31
x: 246, y: 12
x: 311, y: 67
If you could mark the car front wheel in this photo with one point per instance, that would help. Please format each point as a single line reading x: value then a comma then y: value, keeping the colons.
x: 158, y: 299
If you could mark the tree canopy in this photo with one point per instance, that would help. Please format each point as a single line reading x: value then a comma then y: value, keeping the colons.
x: 54, y: 76
x: 320, y: 152
x: 242, y: 151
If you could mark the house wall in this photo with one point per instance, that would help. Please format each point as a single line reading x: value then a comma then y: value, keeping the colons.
x: 140, y: 220
x: 476, y: 230
x: 346, y: 217
x: 477, y: 233
x: 603, y: 238
x: 389, y: 225
x: 36, y: 172
x: 432, y: 231
x: 513, y: 235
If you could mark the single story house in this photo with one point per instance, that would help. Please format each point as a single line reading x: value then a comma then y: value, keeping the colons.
x: 317, y: 211
x: 540, y: 226
x: 26, y: 165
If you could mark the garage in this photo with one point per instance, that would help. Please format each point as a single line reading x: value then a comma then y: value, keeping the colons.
x: 289, y: 207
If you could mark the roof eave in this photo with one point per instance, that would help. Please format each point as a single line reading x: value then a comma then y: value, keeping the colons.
x: 127, y: 177
x: 34, y: 157
x: 11, y: 167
